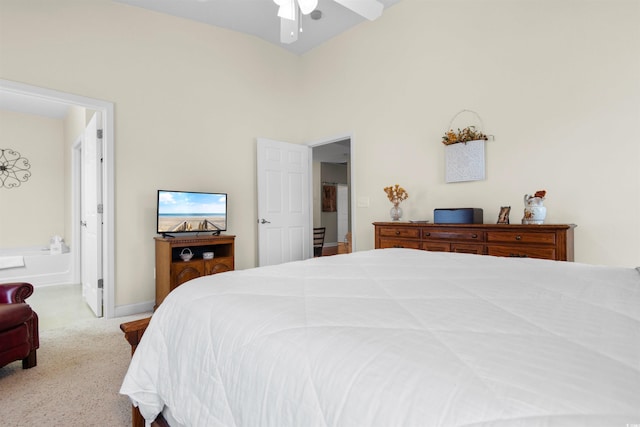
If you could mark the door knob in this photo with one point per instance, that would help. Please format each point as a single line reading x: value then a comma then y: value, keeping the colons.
x: 263, y: 221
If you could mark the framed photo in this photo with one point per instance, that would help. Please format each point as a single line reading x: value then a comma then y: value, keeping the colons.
x: 503, y: 217
x: 329, y: 203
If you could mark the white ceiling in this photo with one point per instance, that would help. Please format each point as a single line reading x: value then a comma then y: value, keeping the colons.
x: 254, y: 17
x: 259, y: 18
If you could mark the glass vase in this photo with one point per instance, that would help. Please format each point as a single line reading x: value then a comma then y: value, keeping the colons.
x: 396, y: 212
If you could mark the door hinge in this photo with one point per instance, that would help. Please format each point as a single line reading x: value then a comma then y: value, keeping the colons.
x: 100, y: 283
x: 100, y: 208
x: 99, y: 133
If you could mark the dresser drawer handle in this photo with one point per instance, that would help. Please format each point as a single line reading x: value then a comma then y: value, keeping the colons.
x: 518, y: 237
x: 474, y: 236
x: 397, y: 232
x: 427, y: 234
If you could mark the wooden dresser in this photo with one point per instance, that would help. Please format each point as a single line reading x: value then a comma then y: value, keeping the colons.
x: 172, y: 271
x: 547, y: 241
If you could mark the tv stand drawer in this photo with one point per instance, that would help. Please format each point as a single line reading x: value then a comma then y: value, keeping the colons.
x: 172, y: 271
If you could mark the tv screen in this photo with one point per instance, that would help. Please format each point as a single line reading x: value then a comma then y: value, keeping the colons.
x: 191, y: 212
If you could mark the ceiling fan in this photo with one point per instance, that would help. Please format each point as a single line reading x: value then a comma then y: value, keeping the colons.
x: 289, y: 12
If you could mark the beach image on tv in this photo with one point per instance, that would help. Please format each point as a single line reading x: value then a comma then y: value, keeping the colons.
x: 181, y: 212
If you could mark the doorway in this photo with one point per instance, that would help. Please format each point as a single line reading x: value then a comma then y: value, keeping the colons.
x: 39, y: 98
x: 332, y: 179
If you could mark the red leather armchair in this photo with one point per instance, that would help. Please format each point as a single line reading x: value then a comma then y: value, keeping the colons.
x: 19, y: 337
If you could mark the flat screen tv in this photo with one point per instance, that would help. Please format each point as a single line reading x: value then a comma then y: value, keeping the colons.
x: 191, y: 212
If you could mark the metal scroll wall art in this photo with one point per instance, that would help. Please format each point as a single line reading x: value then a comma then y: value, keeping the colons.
x: 14, y: 169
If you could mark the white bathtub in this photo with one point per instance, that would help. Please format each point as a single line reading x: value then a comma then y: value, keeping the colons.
x: 40, y: 267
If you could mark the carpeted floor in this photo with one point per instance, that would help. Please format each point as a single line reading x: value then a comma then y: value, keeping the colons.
x: 77, y: 379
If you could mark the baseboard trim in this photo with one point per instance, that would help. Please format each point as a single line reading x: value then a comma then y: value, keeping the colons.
x: 131, y: 309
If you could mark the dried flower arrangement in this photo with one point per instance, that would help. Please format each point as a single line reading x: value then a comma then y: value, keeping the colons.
x: 465, y: 135
x: 396, y: 194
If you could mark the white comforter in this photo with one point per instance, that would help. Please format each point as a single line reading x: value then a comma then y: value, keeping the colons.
x: 396, y: 337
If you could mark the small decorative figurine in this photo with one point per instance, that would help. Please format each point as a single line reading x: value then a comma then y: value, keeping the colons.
x: 534, y: 211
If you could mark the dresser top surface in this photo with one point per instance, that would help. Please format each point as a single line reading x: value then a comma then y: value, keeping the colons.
x: 501, y: 226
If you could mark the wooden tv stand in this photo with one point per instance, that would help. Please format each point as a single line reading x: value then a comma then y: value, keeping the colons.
x: 172, y: 271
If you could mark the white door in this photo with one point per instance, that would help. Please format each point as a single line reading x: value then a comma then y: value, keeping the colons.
x: 284, y: 203
x: 91, y: 216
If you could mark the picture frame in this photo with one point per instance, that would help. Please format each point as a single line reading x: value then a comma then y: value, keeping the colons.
x: 503, y: 216
x: 329, y: 200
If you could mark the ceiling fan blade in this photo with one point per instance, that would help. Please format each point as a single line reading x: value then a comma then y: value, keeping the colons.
x: 287, y: 9
x: 288, y: 30
x: 370, y: 9
x: 307, y: 6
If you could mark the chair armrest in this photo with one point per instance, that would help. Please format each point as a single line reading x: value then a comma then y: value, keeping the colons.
x: 12, y: 293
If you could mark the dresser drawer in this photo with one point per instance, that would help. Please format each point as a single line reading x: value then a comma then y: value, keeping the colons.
x: 399, y: 243
x: 453, y: 234
x: 402, y: 232
x: 522, y: 252
x: 525, y: 237
x: 436, y: 246
x: 463, y: 248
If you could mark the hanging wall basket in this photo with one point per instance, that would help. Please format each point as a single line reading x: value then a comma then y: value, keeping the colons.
x: 14, y: 169
x: 464, y: 151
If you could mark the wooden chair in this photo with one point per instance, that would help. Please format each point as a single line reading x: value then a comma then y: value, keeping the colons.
x: 318, y: 240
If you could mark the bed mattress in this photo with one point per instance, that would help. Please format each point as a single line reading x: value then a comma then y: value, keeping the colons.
x: 396, y: 337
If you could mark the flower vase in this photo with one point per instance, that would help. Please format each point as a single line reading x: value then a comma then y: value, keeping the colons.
x: 396, y: 212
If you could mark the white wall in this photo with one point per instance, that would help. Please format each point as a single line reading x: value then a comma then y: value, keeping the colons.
x: 33, y: 212
x: 555, y: 82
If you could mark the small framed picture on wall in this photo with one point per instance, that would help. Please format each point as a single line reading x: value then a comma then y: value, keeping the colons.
x: 503, y: 217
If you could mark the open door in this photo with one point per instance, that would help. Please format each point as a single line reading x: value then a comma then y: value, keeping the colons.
x: 284, y: 211
x: 91, y: 215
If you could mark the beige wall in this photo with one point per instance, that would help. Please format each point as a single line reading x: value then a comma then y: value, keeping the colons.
x: 33, y: 212
x: 189, y: 99
x: 554, y: 81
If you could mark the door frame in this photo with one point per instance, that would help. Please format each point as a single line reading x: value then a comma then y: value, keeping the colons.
x: 352, y: 181
x: 108, y: 175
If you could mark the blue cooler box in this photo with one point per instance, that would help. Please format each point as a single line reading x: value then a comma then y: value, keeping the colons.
x: 457, y: 216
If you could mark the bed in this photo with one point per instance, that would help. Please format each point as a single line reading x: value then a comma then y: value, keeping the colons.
x: 396, y: 337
